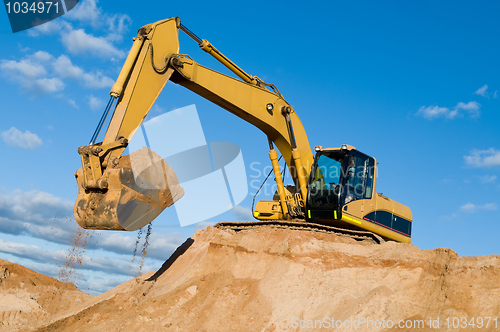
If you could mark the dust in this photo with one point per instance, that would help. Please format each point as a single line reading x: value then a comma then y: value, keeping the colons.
x: 74, y: 256
x: 143, y: 249
x: 137, y: 241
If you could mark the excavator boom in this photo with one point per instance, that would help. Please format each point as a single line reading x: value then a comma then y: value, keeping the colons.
x: 111, y: 194
x: 336, y: 188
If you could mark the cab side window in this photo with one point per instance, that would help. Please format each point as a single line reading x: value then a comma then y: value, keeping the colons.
x: 360, y: 173
x: 369, y: 177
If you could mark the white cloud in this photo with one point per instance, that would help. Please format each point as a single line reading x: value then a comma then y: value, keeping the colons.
x: 451, y: 217
x: 157, y: 109
x: 118, y: 24
x: 95, y: 103
x: 37, y: 214
x: 79, y: 42
x: 42, y: 73
x: 52, y: 231
x: 162, y: 245
x: 97, y: 80
x: 495, y: 94
x: 104, y: 264
x: 42, y: 56
x: 469, y: 207
x: 45, y: 216
x: 472, y: 107
x: 482, y: 91
x: 472, y: 208
x: 242, y: 213
x: 101, y: 286
x: 27, y: 140
x: 41, y: 215
x: 73, y: 103
x: 483, y: 158
x: 26, y: 250
x: 22, y: 48
x: 49, y: 28
x: 487, y: 178
x: 86, y: 11
x: 432, y: 112
x: 91, y: 282
x: 48, y: 85
x: 31, y: 73
x: 63, y: 230
x: 66, y: 69
x: 25, y: 67
x: 33, y: 205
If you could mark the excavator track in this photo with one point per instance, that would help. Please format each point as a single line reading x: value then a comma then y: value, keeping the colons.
x: 301, y: 226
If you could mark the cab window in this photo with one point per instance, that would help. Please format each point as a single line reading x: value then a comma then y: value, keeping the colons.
x: 327, y: 173
x: 359, y: 174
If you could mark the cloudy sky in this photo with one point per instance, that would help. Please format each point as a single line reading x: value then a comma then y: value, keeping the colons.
x: 414, y: 84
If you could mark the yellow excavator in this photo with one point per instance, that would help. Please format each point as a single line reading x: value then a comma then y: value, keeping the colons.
x: 334, y: 190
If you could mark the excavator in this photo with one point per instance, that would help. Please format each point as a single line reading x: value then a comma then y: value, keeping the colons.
x: 334, y: 189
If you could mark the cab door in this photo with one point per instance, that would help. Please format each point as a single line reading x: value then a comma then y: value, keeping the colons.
x: 324, y: 186
x: 358, y: 186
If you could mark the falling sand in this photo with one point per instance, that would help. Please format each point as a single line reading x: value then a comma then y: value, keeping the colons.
x: 143, y: 250
x: 75, y: 255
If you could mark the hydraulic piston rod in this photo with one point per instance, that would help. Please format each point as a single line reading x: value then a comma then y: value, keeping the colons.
x: 210, y: 49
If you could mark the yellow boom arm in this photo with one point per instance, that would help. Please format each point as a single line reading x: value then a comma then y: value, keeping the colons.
x: 152, y: 61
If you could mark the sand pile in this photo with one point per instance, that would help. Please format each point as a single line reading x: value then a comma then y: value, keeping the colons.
x: 279, y: 280
x: 29, y: 299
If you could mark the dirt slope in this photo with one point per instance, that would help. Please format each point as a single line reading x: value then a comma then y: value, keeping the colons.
x: 29, y: 299
x: 277, y: 280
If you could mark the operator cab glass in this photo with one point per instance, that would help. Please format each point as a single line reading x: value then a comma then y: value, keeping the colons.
x: 325, y: 180
x: 337, y: 178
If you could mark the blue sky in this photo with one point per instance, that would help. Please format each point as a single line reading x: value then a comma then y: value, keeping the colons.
x: 413, y: 84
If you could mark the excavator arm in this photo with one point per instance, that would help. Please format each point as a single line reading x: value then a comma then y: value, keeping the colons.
x: 111, y: 196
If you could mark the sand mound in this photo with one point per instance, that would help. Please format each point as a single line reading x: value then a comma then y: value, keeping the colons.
x: 29, y: 299
x: 279, y: 280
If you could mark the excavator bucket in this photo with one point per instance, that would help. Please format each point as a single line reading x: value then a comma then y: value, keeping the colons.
x: 140, y: 187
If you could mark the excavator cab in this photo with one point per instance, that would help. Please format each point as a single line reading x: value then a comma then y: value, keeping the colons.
x: 341, y: 193
x: 338, y: 177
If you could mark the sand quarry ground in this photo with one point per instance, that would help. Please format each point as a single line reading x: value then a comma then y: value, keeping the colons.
x: 270, y: 280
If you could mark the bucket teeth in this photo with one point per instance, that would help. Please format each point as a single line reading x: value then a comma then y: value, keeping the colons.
x: 140, y: 187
